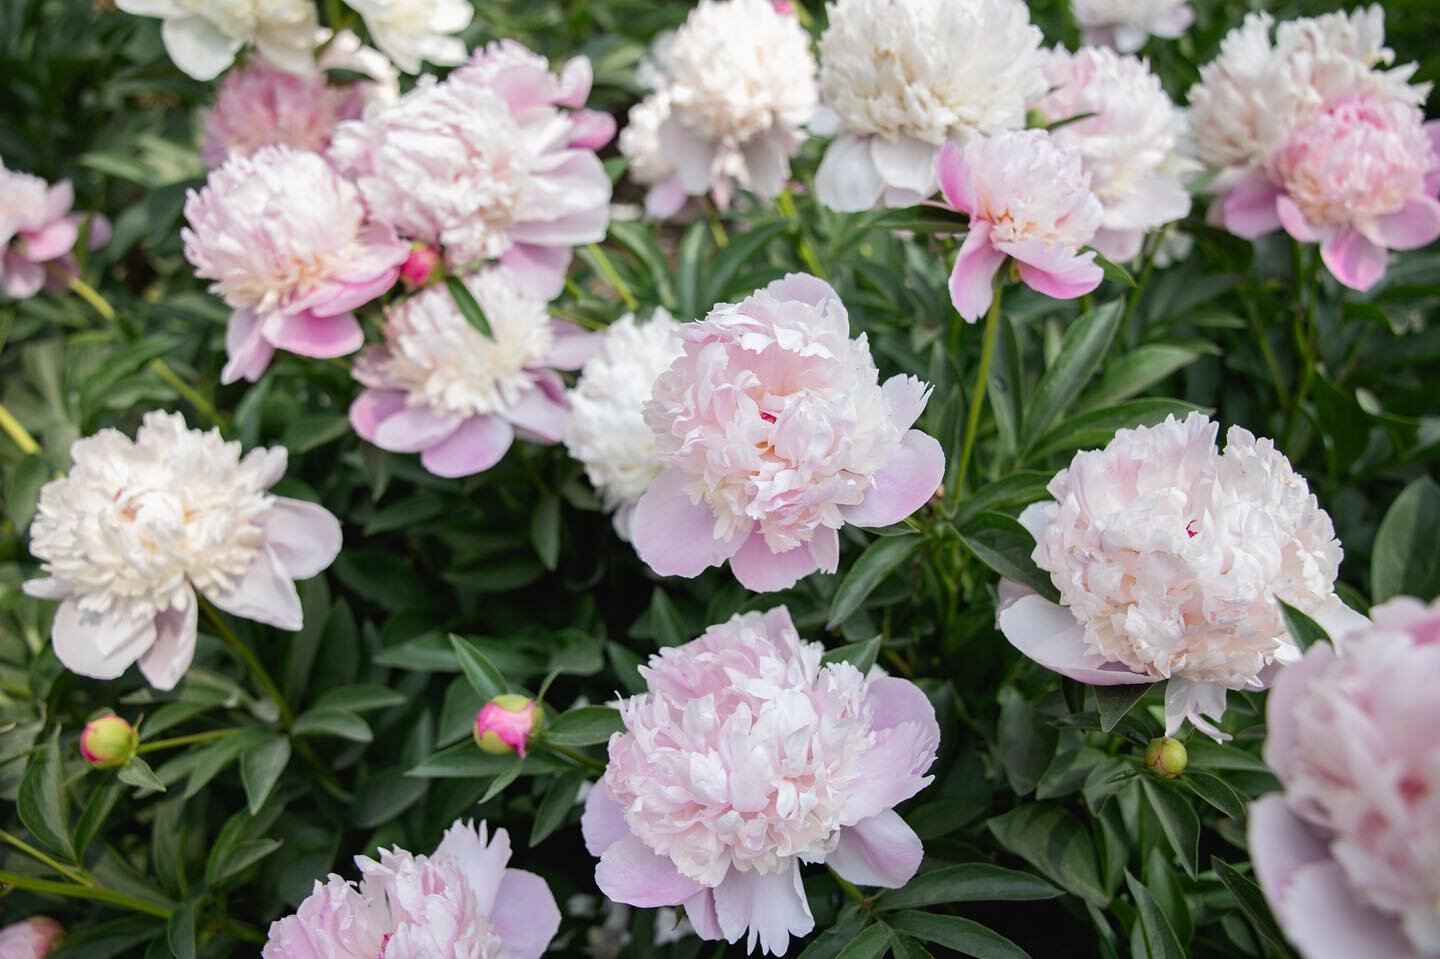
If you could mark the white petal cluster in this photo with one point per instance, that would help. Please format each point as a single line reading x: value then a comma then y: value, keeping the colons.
x: 203, y: 36
x: 640, y: 140
x: 606, y: 428
x: 413, y: 31
x: 1125, y: 25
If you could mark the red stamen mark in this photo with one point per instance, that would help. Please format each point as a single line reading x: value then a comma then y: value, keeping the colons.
x: 1192, y: 532
x: 767, y: 417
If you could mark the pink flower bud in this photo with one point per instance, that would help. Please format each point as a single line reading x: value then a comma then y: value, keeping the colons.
x: 31, y: 938
x: 506, y: 723
x: 420, y: 265
x: 784, y: 7
x: 108, y: 741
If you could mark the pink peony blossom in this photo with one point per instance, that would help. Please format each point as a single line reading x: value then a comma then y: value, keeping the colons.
x: 517, y: 179
x: 285, y: 240
x: 461, y: 902
x: 1347, y: 853
x: 1360, y: 178
x: 38, y: 231
x: 1125, y: 25
x: 1028, y: 199
x: 459, y: 397
x: 1168, y: 556
x: 745, y: 758
x: 139, y: 526
x: 31, y: 938
x: 774, y: 431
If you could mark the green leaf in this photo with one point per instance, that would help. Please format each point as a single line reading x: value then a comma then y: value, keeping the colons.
x: 1177, y: 820
x: 881, y: 557
x: 545, y: 531
x: 485, y: 679
x: 1217, y: 792
x: 1020, y: 488
x: 1095, y: 428
x: 384, y: 795
x: 43, y: 803
x: 1344, y: 426
x: 1026, y: 740
x: 1159, y: 938
x: 870, y: 944
x: 1052, y: 841
x: 1115, y: 701
x: 108, y: 940
x: 665, y: 621
x: 22, y: 489
x: 97, y: 809
x: 1005, y: 546
x: 235, y: 859
x: 1304, y: 630
x: 968, y: 882
x: 584, y: 726
x: 260, y: 770
x: 952, y: 932
x: 1114, y: 272
x: 1406, y: 557
x: 1141, y: 368
x: 921, y: 219
x: 742, y: 251
x: 555, y: 806
x: 828, y: 943
x: 861, y: 655
x: 466, y: 761
x: 1252, y: 903
x: 361, y: 698
x: 311, y: 431
x: 498, y: 784
x: 903, y: 947
x: 340, y: 723
x: 137, y: 773
x: 689, y: 264
x: 1080, y: 353
x: 212, y: 759
x: 180, y: 932
x: 469, y: 308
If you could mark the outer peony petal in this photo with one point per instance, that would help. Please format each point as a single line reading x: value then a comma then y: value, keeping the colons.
x: 19, y: 278
x: 315, y: 336
x: 603, y: 821
x: 525, y: 917
x: 1249, y: 208
x: 1048, y: 633
x: 955, y: 182
x: 55, y: 240
x: 906, y: 396
x: 264, y: 593
x: 906, y: 163
x: 700, y: 910
x: 972, y: 279
x: 693, y: 156
x: 47, y: 588
x: 1295, y: 222
x: 538, y: 270
x: 573, y: 346
x: 538, y: 417
x: 373, y: 407
x: 1322, y: 916
x: 99, y: 646
x: 1055, y: 271
x: 894, y: 701
x: 762, y: 571
x: 674, y: 536
x: 824, y: 546
x: 1413, y: 227
x: 847, y: 180
x: 1280, y: 844
x: 198, y: 47
x: 772, y: 907
x: 902, y: 485
x: 1187, y: 699
x: 1352, y: 259
x: 413, y: 429
x: 167, y: 661
x: 631, y: 873
x: 880, y: 851
x: 249, y: 352
x: 664, y: 199
x: 1281, y: 737
x: 475, y: 446
x: 305, y: 537
x: 353, y: 295
x: 892, y: 770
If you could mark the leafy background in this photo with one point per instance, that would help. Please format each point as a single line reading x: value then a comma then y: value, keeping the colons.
x: 1042, y: 834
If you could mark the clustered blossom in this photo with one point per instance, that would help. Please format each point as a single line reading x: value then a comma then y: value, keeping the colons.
x: 738, y: 80
x: 413, y: 31
x: 1346, y: 854
x: 459, y: 397
x: 139, y: 526
x: 900, y: 79
x: 286, y: 243
x: 606, y: 429
x: 31, y: 938
x: 517, y: 179
x: 1028, y: 199
x: 38, y: 231
x: 460, y: 901
x: 1129, y: 142
x: 1169, y: 557
x: 774, y: 431
x: 203, y: 36
x: 1125, y: 25
x: 745, y: 758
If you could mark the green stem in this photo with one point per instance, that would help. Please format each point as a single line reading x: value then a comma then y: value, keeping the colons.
x: 850, y: 889
x: 186, y: 391
x: 982, y: 378
x: 16, y: 432
x: 574, y: 755
x: 717, y: 229
x: 786, y: 205
x: 1152, y: 248
x: 186, y: 740
x: 247, y: 657
x: 72, y: 874
x: 89, y: 294
x: 93, y: 893
x: 613, y: 276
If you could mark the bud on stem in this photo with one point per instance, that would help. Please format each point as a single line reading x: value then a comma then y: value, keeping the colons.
x: 507, y: 723
x: 108, y: 741
x: 1166, y: 757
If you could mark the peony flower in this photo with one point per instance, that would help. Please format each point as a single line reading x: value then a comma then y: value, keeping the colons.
x: 1129, y: 145
x: 261, y: 105
x: 651, y: 165
x: 1125, y: 25
x: 31, y: 938
x: 745, y: 758
x: 1169, y: 557
x: 1028, y: 199
x: 1346, y: 854
x: 517, y: 179
x: 285, y: 240
x: 461, y: 901
x: 139, y: 526
x: 739, y: 80
x: 606, y: 429
x: 1359, y: 179
x: 413, y: 31
x: 904, y: 77
x: 38, y: 231
x: 774, y: 431
x: 203, y: 36
x: 458, y: 397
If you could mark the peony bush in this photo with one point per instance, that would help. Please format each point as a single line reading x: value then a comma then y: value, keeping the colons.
x: 817, y: 478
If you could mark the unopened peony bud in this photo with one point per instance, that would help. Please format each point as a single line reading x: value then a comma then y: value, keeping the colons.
x: 1166, y: 757
x: 31, y: 938
x: 506, y: 723
x: 108, y: 741
x: 419, y: 267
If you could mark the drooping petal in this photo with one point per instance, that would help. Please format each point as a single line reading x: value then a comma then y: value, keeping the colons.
x: 264, y: 593
x: 880, y: 851
x: 198, y: 47
x: 591, y: 129
x: 101, y: 646
x: 893, y: 702
x: 47, y: 588
x: 305, y: 537
x: 953, y: 174
x: 1293, y: 219
x: 1048, y: 633
x: 1280, y: 844
x: 906, y: 163
x: 892, y: 770
x: 475, y: 446
x: 824, y: 547
x: 537, y: 417
x: 772, y: 908
x: 54, y: 240
x: 414, y: 428
x: 539, y: 271
x: 630, y: 872
x: 674, y: 536
x: 972, y: 278
x: 602, y: 824
x: 1055, y: 271
x: 373, y: 407
x: 700, y: 910
x: 1249, y: 208
x: 321, y: 337
x: 693, y: 157
x: 762, y: 571
x: 525, y: 917
x: 1322, y: 916
x: 664, y: 199
x: 1188, y: 699
x: 906, y: 397
x: 166, y: 662
x: 902, y: 485
x: 847, y: 180
x: 1417, y: 225
x: 1352, y: 259
x: 573, y: 346
x: 248, y: 351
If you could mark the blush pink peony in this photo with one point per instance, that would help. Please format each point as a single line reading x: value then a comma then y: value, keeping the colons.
x: 1125, y: 25
x: 138, y: 527
x: 31, y: 938
x: 460, y: 901
x: 745, y: 758
x: 1029, y: 200
x: 1360, y: 178
x: 496, y: 163
x: 1169, y: 557
x: 286, y: 243
x: 38, y: 231
x: 459, y: 397
x: 1347, y: 853
x: 774, y: 431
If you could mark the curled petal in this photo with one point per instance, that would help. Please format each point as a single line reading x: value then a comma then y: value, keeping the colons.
x: 902, y: 485
x: 166, y: 662
x: 603, y: 822
x: 880, y: 851
x: 972, y: 279
x: 99, y: 645
x: 476, y: 445
x: 763, y: 571
x: 847, y: 180
x: 1352, y: 259
x: 674, y: 536
x: 525, y: 917
x: 265, y: 593
x: 631, y: 873
x: 305, y: 537
x: 1249, y: 208
x: 1048, y: 633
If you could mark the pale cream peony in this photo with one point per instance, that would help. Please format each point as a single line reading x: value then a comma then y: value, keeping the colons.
x: 203, y: 36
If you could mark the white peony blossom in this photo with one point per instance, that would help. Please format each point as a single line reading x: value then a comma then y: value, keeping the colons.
x: 203, y: 36
x: 413, y: 31
x: 1125, y: 25
x: 903, y: 77
x: 650, y: 164
x: 606, y: 428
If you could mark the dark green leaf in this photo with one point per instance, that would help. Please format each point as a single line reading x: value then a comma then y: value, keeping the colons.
x: 921, y: 219
x: 137, y: 773
x: 555, y: 806
x: 870, y: 944
x: 968, y: 882
x: 1027, y: 741
x: 487, y: 681
x: 180, y: 932
x: 1005, y: 546
x: 1095, y: 428
x: 333, y: 722
x: 1405, y: 560
x: 545, y: 531
x: 1141, y: 368
x: 1080, y: 352
x: 22, y: 487
x: 238, y: 858
x: 1252, y: 903
x: 498, y: 784
x: 879, y: 559
x: 465, y: 302
x: 1177, y: 820
x: 43, y: 804
x: 361, y: 699
x: 861, y: 655
x: 1052, y: 841
x: 260, y: 770
x: 742, y: 251
x: 1159, y: 938
x: 963, y: 935
x: 584, y: 726
x: 1115, y: 701
x: 1304, y: 630
x: 665, y: 621
x: 1217, y: 792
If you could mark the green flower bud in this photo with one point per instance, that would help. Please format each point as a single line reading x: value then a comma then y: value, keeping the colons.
x: 108, y: 741
x: 1166, y: 757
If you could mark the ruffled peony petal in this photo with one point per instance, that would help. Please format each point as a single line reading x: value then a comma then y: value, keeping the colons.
x: 602, y: 824
x: 249, y: 353
x: 1282, y: 743
x: 537, y: 417
x: 630, y: 873
x: 906, y: 396
x: 101, y: 646
x: 305, y: 537
x: 309, y: 335
x: 906, y: 163
x: 1188, y: 699
x: 674, y: 536
x: 1353, y: 260
x: 166, y: 662
x: 525, y: 917
x: 476, y: 445
x: 880, y: 851
x: 772, y: 908
x: 762, y: 571
x: 902, y: 485
x: 1048, y: 633
x: 847, y: 180
x: 371, y: 408
x: 265, y: 593
x: 414, y: 428
x: 198, y: 47
x: 1249, y: 208
x: 972, y: 279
